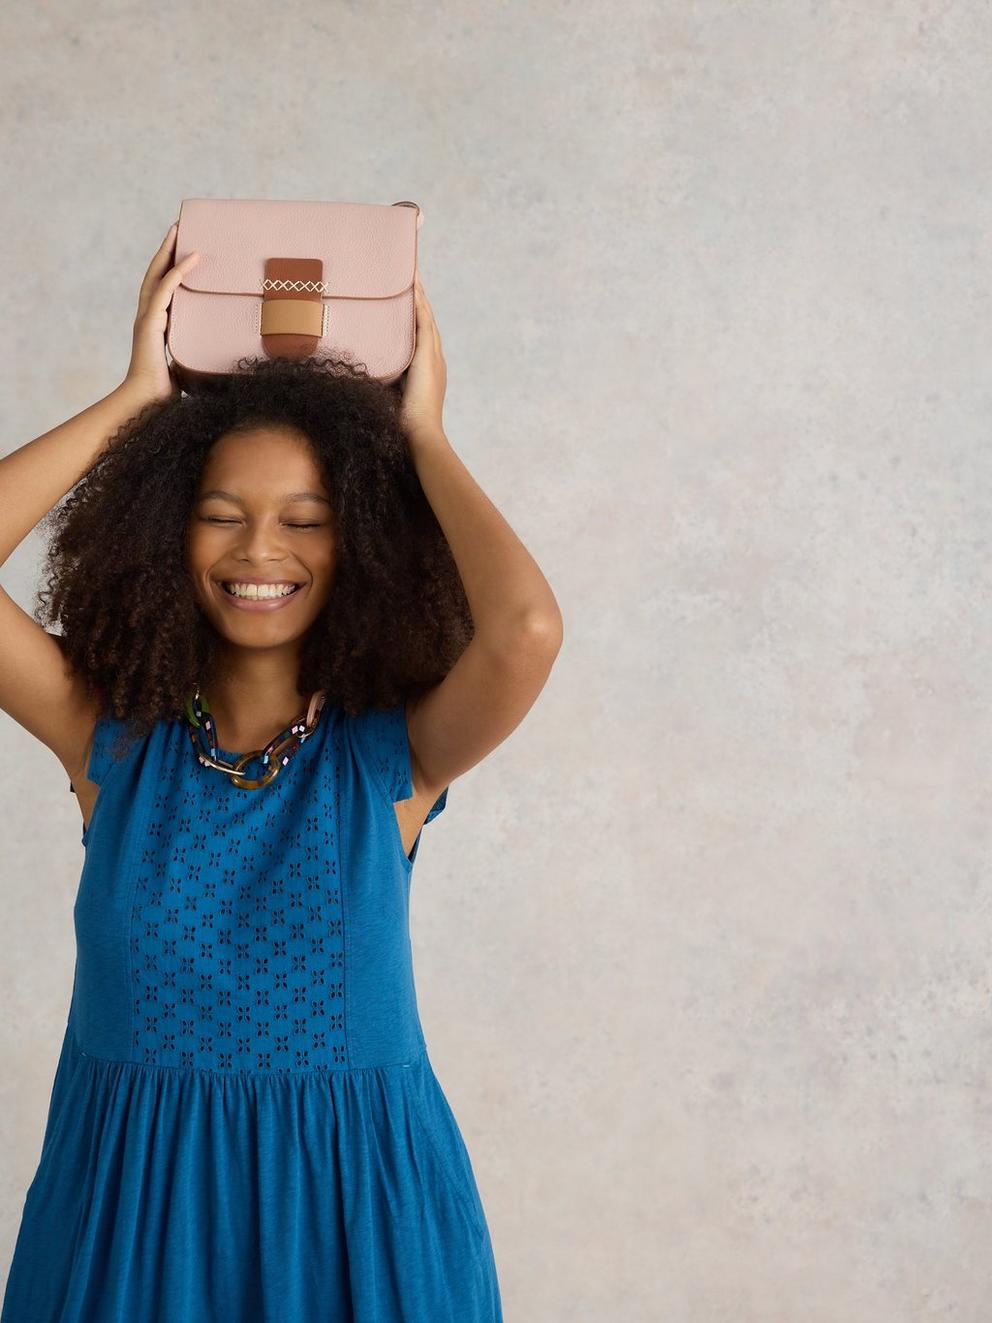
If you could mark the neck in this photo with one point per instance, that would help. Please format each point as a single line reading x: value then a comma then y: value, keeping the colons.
x: 253, y: 700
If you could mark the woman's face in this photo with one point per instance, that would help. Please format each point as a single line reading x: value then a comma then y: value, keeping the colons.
x: 261, y: 515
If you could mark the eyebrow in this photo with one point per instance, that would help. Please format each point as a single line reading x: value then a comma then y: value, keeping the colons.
x: 290, y: 496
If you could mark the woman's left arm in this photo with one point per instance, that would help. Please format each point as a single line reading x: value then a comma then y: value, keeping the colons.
x: 518, y: 624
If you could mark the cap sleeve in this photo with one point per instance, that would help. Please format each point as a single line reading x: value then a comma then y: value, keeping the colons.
x: 383, y: 739
x: 108, y: 747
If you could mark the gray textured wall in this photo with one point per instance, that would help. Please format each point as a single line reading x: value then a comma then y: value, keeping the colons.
x: 703, y: 948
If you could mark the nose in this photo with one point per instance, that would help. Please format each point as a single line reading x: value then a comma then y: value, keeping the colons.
x: 261, y: 542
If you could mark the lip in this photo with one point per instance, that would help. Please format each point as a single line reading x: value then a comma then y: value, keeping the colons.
x: 245, y: 604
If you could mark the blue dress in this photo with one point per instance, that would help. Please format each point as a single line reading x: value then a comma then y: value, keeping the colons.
x: 244, y: 1124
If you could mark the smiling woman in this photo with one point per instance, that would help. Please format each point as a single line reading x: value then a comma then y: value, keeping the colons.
x: 244, y: 1118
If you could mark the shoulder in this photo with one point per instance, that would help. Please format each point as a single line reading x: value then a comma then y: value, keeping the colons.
x: 113, y: 739
x: 379, y: 737
x: 381, y: 742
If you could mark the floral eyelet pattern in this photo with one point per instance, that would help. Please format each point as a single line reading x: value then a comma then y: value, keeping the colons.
x: 236, y: 934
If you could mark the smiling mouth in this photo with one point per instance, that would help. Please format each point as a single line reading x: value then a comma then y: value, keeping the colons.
x: 248, y: 595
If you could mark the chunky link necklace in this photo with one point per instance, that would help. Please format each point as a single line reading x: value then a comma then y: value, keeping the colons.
x: 276, y: 754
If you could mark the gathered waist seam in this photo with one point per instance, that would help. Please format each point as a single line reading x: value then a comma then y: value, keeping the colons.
x: 320, y: 1070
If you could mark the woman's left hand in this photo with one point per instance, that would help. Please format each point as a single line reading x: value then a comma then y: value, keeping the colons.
x: 426, y: 377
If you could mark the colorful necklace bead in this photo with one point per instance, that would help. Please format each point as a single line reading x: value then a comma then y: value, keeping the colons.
x: 277, y: 753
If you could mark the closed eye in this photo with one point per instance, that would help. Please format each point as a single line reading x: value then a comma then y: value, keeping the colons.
x: 216, y: 519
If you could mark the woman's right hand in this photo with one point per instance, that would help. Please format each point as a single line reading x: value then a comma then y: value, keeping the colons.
x: 148, y: 373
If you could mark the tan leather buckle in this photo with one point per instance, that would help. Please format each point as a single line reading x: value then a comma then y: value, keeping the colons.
x: 291, y: 317
x: 292, y: 310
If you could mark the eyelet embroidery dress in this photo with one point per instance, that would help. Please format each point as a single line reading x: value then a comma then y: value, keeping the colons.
x: 244, y: 1123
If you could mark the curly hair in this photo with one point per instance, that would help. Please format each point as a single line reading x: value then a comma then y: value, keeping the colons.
x: 115, y: 582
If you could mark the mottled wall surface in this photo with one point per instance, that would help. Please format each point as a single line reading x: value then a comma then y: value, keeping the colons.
x: 703, y: 948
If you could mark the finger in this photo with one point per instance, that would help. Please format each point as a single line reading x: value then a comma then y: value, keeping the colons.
x: 180, y: 269
x: 424, y: 307
x: 166, y: 286
x: 425, y: 322
x: 164, y: 252
x: 423, y: 302
x: 158, y: 264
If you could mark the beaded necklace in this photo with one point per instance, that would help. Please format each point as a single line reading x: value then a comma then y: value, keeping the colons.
x: 276, y: 754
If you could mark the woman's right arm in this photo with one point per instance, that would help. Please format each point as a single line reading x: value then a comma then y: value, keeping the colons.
x: 35, y: 687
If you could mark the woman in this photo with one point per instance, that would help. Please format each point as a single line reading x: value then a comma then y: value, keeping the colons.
x: 289, y: 619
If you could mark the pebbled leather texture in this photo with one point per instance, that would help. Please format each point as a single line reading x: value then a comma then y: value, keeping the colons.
x: 367, y: 254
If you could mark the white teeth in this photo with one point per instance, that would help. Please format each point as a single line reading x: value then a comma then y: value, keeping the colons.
x: 258, y: 590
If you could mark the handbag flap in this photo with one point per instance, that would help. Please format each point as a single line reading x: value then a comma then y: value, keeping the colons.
x: 369, y: 251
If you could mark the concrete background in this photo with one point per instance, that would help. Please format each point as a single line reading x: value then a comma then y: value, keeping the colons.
x: 703, y: 948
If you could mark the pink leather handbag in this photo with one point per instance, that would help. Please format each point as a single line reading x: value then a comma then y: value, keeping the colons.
x: 291, y: 279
